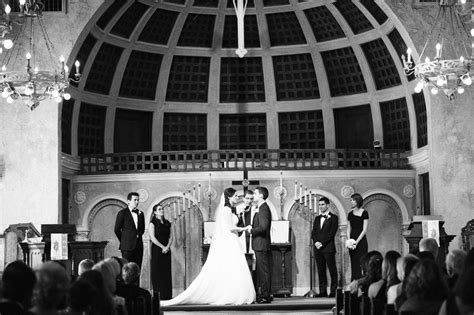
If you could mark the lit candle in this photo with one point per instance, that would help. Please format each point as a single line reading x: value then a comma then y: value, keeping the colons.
x: 184, y: 202
x: 199, y: 193
x: 189, y: 199
x: 316, y: 206
x: 8, y: 9
x: 28, y: 57
x: 61, y: 60
x: 194, y: 193
x: 174, y: 207
x: 175, y: 214
x: 409, y: 55
x: 438, y: 50
x: 77, y: 64
x: 310, y: 200
x: 296, y: 190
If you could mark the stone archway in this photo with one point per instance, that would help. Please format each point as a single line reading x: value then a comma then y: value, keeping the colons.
x: 385, y: 223
x: 101, y: 221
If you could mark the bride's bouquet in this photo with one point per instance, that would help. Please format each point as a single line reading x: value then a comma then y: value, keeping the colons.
x: 351, y: 244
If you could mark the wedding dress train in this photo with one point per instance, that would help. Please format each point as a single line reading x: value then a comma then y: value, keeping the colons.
x: 225, y: 277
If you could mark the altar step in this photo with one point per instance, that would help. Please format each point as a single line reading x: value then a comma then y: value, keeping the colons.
x: 292, y: 305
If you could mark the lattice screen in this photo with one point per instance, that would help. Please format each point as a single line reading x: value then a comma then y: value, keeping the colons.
x: 301, y: 130
x: 242, y: 131
x: 242, y: 80
x: 108, y: 15
x: 189, y: 79
x: 158, y: 28
x: 284, y: 29
x: 103, y: 69
x: 128, y: 21
x: 184, y: 132
x: 295, y: 77
x: 324, y: 25
x: 375, y: 10
x: 396, y: 124
x: 66, y: 123
x: 356, y: 19
x: 198, y: 31
x: 343, y: 72
x: 421, y: 119
x: 83, y: 55
x: 251, y: 38
x: 90, y: 134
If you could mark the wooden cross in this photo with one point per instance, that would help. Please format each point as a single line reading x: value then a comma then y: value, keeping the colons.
x: 245, y: 182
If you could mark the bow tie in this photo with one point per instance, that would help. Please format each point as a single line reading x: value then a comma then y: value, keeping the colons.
x: 135, y: 211
x: 324, y: 216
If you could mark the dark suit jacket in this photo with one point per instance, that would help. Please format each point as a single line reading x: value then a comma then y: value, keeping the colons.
x: 261, y: 226
x: 126, y: 231
x: 326, y: 234
x: 245, y: 220
x: 138, y: 300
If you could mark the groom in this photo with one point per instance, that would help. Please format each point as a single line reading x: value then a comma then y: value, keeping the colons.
x: 260, y: 231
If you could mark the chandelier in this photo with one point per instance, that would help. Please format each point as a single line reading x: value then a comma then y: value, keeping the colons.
x: 32, y: 85
x: 449, y: 71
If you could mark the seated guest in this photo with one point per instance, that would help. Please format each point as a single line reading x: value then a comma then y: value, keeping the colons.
x: 462, y: 301
x: 454, y: 266
x: 404, y: 266
x: 94, y: 277
x: 374, y: 274
x: 138, y: 300
x: 425, y: 289
x: 353, y: 287
x: 84, y: 298
x: 378, y: 289
x: 107, y: 269
x: 429, y: 245
x: 18, y: 283
x: 52, y: 286
x: 84, y: 265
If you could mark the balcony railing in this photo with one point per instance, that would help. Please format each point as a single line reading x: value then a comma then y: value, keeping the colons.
x: 221, y: 160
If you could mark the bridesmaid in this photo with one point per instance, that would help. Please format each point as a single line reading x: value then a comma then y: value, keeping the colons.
x: 358, y: 220
x: 161, y: 238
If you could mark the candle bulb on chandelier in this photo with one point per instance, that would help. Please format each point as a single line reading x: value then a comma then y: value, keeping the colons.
x: 77, y: 64
x: 408, y: 55
x: 61, y: 60
x: 8, y: 10
x: 28, y: 57
x: 199, y: 192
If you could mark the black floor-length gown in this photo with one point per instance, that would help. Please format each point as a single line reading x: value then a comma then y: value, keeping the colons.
x: 357, y: 225
x: 161, y: 263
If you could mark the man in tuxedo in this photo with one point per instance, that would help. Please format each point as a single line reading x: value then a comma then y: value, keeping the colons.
x: 261, y: 242
x: 324, y: 231
x: 244, y: 211
x: 129, y: 228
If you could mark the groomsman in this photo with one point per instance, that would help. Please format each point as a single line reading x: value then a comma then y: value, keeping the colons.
x: 324, y: 231
x: 129, y: 228
x: 261, y: 244
x: 244, y: 210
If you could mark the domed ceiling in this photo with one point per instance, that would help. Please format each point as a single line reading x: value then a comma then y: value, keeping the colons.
x: 164, y: 76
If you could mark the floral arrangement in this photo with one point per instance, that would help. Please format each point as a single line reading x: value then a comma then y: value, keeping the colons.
x: 351, y: 243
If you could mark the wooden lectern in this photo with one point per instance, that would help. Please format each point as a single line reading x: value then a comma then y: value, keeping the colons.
x: 416, y: 234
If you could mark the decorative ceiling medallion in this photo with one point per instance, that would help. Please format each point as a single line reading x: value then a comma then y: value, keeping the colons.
x: 347, y: 191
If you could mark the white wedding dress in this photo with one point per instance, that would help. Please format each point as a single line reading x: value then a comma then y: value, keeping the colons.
x: 225, y: 277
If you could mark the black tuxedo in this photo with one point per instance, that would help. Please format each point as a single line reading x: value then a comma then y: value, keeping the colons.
x: 326, y: 255
x: 261, y: 244
x: 130, y: 236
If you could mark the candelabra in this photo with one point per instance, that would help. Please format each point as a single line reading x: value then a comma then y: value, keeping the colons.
x: 449, y: 75
x: 307, y: 203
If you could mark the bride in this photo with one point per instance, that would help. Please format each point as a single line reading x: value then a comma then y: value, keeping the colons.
x: 225, y: 277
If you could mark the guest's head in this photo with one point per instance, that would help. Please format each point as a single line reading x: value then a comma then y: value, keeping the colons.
x: 230, y: 197
x: 131, y: 273
x: 51, y: 288
x: 455, y: 262
x: 248, y: 197
x: 389, y: 267
x: 108, y: 275
x: 364, y: 260
x: 429, y: 245
x: 262, y: 192
x: 357, y: 200
x: 374, y: 271
x: 84, y: 265
x: 158, y: 212
x: 18, y: 283
x: 84, y: 297
x: 426, y: 282
x: 465, y: 287
x: 95, y: 278
x: 405, y: 265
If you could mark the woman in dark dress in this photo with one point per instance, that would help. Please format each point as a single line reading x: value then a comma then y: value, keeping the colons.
x: 161, y: 238
x: 358, y: 220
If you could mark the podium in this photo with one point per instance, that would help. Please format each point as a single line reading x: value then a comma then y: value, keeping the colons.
x: 416, y: 234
